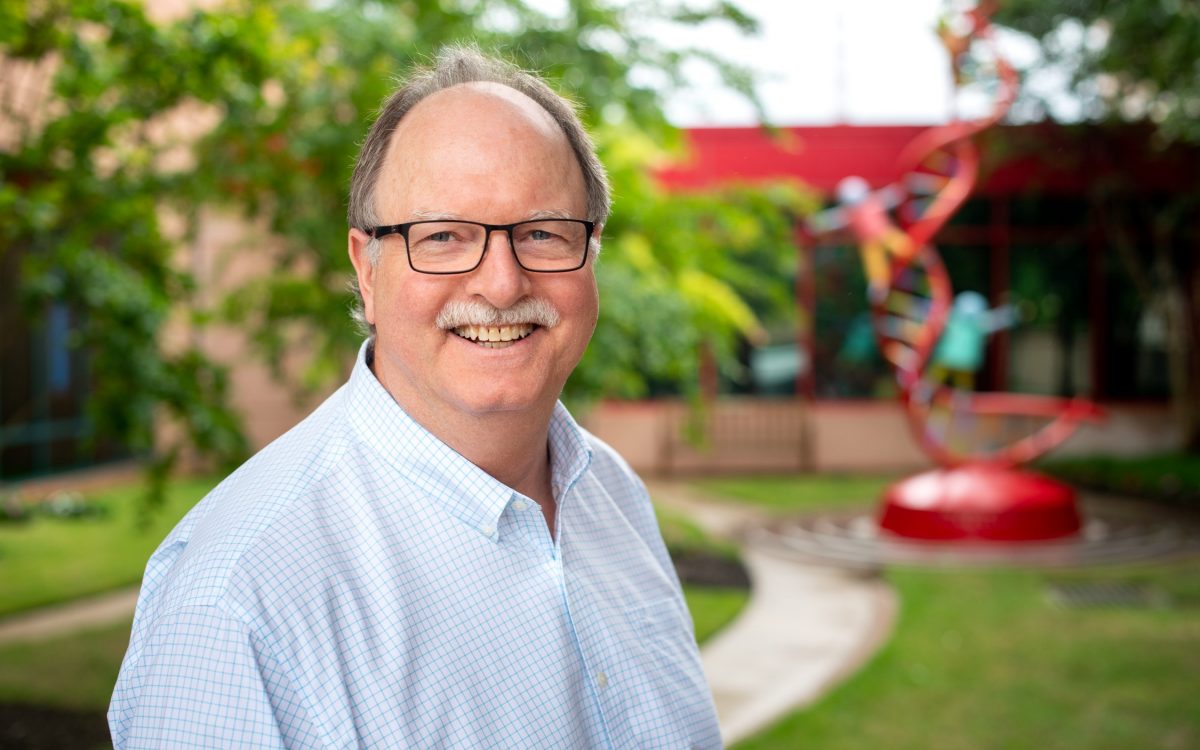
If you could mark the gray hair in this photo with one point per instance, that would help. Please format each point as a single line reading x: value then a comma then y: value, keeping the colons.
x: 454, y: 66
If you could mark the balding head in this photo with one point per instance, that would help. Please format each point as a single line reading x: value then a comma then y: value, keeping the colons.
x: 455, y: 67
x: 480, y: 132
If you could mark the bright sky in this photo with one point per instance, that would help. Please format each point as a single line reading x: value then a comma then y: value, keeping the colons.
x: 852, y: 61
x: 821, y: 62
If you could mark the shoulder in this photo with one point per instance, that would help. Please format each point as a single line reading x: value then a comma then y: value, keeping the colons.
x: 612, y: 471
x: 267, y: 502
x: 621, y: 483
x: 610, y: 464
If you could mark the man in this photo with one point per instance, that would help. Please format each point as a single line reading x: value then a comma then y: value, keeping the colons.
x: 438, y: 556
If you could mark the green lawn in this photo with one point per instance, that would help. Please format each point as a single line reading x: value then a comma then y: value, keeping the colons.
x: 680, y: 534
x: 713, y: 608
x: 983, y: 659
x: 979, y: 659
x: 74, y: 671
x: 48, y: 560
x: 799, y: 494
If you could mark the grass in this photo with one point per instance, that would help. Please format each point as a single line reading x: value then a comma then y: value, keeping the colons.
x: 798, y: 494
x: 681, y: 533
x: 980, y: 659
x: 1170, y: 477
x: 713, y: 608
x: 75, y: 671
x: 49, y: 560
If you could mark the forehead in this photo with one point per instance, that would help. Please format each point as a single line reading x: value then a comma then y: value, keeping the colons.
x: 461, y: 142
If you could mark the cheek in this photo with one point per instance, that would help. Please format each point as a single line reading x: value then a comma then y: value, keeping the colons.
x: 592, y: 303
x: 406, y: 300
x: 581, y: 305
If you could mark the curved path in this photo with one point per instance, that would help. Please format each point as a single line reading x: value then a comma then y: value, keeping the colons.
x: 806, y: 628
x: 61, y: 619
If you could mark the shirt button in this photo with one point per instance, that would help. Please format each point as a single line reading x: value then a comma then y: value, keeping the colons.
x: 487, y: 529
x: 602, y: 680
x: 520, y: 505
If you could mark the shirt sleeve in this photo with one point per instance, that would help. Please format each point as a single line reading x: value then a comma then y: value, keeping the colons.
x: 201, y: 679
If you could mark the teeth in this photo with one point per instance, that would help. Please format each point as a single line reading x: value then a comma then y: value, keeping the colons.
x: 494, y: 334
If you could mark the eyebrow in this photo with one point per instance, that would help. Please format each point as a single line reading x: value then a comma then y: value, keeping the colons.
x: 424, y: 215
x: 427, y: 215
x: 556, y: 213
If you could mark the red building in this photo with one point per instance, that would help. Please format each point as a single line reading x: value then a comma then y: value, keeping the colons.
x: 1042, y: 232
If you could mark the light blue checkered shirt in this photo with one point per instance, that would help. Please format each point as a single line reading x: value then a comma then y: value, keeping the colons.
x: 360, y: 584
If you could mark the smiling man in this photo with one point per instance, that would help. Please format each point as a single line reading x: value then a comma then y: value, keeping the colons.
x: 438, y: 556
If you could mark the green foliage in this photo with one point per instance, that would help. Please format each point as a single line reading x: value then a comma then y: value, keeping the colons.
x: 1166, y: 477
x: 80, y: 206
x: 1132, y: 59
x: 680, y: 269
x: 1139, y: 60
x: 271, y: 101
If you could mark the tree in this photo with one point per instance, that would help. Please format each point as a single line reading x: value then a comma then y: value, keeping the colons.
x: 98, y: 189
x: 1128, y: 59
x: 84, y: 85
x: 1139, y: 61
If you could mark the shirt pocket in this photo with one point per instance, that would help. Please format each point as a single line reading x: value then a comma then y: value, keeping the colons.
x: 661, y: 620
x: 667, y: 702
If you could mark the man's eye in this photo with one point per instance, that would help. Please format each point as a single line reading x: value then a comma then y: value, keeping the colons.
x: 540, y: 235
x: 440, y: 237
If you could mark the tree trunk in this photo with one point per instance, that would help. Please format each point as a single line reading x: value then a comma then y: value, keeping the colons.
x: 1187, y: 399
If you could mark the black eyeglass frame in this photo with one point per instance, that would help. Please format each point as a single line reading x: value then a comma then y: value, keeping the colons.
x: 403, y: 229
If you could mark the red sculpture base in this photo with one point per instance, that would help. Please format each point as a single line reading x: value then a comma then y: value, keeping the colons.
x: 980, y: 502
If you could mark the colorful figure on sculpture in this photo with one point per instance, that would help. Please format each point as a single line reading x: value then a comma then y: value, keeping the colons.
x: 936, y: 342
x: 959, y: 353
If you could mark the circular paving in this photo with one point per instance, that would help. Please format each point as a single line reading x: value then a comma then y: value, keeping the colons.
x: 1114, y: 531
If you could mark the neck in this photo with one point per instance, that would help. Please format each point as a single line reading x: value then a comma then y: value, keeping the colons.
x: 510, y: 446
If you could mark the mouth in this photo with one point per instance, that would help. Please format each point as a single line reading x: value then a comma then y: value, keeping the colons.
x: 494, y: 337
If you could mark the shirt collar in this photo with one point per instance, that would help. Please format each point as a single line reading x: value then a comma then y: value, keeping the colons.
x: 466, y: 491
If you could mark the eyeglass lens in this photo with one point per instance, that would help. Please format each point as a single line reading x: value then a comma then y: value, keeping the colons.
x: 453, y: 246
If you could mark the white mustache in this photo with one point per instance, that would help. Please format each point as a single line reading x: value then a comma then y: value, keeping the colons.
x: 475, y: 313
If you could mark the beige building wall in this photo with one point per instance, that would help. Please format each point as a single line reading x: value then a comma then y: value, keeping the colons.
x: 229, y: 253
x: 830, y: 436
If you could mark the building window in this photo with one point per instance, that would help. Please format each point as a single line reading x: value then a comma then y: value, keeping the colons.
x: 43, y: 390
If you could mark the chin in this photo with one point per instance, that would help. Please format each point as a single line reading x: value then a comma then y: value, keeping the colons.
x: 501, y: 401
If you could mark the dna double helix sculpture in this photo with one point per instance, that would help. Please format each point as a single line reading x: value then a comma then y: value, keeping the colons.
x: 979, y: 440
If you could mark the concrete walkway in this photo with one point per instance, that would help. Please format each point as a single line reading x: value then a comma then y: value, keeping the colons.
x: 805, y: 629
x: 60, y: 619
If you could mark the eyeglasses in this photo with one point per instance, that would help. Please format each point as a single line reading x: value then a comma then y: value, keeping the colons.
x: 541, y: 245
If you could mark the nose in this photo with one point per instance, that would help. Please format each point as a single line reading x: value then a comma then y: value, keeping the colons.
x: 499, y: 279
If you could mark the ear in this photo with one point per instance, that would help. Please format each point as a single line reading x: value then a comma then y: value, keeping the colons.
x: 364, y: 270
x: 595, y: 240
